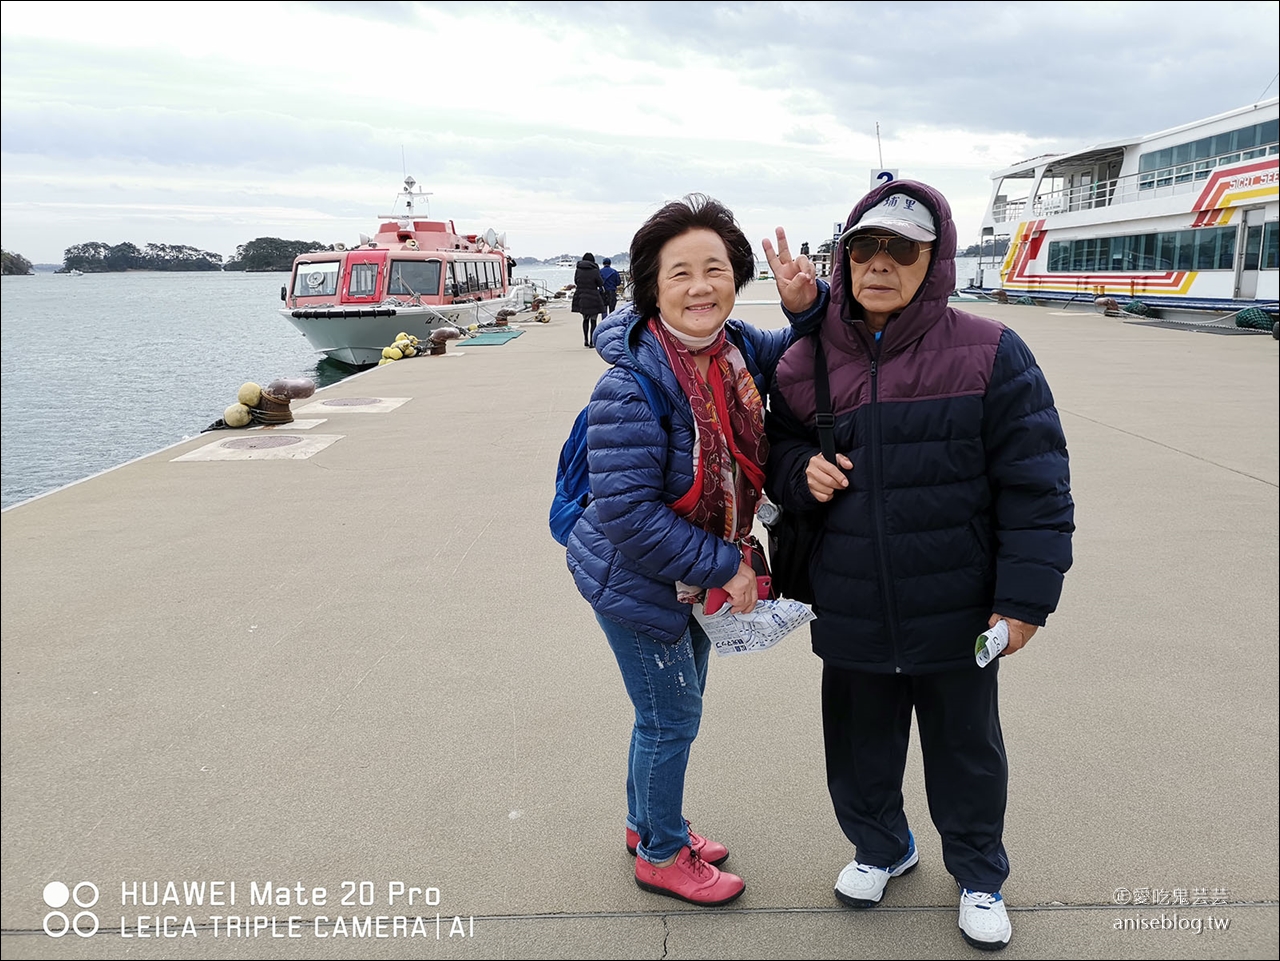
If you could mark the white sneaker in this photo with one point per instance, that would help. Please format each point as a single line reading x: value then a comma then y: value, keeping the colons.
x: 862, y: 886
x: 984, y: 922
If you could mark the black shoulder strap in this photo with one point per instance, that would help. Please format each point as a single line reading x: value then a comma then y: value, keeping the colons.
x: 823, y: 418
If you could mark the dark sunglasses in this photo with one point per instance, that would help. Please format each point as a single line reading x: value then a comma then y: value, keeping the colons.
x: 905, y: 252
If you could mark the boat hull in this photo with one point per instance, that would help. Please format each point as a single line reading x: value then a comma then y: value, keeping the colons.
x: 357, y: 335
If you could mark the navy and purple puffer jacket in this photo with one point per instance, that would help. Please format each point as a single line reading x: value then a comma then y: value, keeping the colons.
x: 959, y: 502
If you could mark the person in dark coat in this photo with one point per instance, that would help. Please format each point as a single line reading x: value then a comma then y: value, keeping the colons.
x: 588, y: 297
x: 948, y: 510
x: 611, y: 279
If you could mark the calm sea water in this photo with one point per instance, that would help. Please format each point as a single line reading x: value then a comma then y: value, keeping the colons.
x: 100, y: 369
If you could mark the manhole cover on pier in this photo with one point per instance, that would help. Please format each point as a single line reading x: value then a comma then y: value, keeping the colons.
x: 261, y: 443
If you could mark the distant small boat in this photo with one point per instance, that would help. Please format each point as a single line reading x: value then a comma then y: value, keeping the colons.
x: 566, y: 263
x: 75, y: 272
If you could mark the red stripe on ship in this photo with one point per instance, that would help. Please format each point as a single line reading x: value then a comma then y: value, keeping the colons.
x: 1217, y: 185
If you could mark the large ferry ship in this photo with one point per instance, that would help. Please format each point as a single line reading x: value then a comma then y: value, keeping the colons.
x: 414, y: 275
x: 1181, y: 220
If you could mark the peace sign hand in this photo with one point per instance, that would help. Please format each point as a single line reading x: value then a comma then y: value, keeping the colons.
x: 797, y: 279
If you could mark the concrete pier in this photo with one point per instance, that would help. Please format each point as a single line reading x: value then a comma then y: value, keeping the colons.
x: 366, y: 670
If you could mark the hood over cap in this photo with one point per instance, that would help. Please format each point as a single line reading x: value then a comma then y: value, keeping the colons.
x: 931, y: 299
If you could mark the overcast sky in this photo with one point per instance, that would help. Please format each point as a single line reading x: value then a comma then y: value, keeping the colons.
x: 566, y: 124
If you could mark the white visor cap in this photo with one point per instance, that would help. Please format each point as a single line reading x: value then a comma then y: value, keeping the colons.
x: 898, y: 214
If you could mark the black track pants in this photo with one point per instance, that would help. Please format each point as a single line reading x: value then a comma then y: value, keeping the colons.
x: 866, y: 722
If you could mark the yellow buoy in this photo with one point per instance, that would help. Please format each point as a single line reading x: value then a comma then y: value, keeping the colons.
x: 237, y: 415
x: 249, y: 394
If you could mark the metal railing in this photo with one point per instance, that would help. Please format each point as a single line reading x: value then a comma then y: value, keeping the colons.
x: 1147, y: 185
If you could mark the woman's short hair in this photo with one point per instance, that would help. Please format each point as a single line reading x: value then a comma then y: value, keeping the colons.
x: 589, y: 256
x: 693, y: 212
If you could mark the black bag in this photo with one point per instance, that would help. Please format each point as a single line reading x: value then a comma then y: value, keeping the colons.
x: 794, y: 536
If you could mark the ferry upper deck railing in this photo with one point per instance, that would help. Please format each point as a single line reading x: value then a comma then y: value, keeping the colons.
x: 1147, y: 185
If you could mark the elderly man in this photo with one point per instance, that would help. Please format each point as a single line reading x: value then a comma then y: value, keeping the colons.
x: 948, y: 509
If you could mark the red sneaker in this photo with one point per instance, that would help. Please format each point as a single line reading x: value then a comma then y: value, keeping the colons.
x: 713, y: 852
x: 689, y: 878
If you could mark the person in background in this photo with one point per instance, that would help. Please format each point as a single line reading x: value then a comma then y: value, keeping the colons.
x: 611, y: 278
x: 588, y: 297
x: 948, y: 510
x: 673, y: 499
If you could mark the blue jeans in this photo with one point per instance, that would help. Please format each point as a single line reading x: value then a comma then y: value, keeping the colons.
x: 665, y: 683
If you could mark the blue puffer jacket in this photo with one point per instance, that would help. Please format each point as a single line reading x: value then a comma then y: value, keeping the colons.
x: 959, y: 500
x: 629, y: 548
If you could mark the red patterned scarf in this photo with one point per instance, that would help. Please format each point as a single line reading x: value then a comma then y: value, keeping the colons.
x: 730, y: 448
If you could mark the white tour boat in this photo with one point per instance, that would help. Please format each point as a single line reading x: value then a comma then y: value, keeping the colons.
x: 1181, y: 220
x: 413, y: 276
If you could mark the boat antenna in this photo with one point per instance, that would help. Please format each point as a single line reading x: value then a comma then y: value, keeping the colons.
x: 878, y: 150
x: 404, y: 167
x: 1268, y: 86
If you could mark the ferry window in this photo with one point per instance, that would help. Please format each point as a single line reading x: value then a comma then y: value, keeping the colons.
x: 364, y: 280
x: 316, y: 280
x: 1271, y: 246
x: 1055, y: 255
x: 1202, y: 168
x: 1186, y: 249
x: 1245, y: 138
x: 1121, y: 255
x: 1253, y: 247
x: 1202, y: 148
x: 1182, y: 153
x: 1184, y: 174
x: 1167, y: 253
x: 1103, y: 251
x: 414, y: 277
x: 1269, y: 132
x: 1226, y: 248
x: 1147, y: 257
x: 473, y: 276
x: 1206, y: 248
x: 1077, y: 255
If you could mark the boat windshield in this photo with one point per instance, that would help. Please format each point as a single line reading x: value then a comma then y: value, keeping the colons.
x: 415, y: 277
x: 316, y: 280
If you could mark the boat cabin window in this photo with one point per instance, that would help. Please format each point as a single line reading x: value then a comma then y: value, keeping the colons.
x: 1183, y: 162
x: 1205, y: 248
x: 1271, y: 245
x: 473, y: 276
x: 414, y: 277
x: 364, y: 280
x: 316, y: 280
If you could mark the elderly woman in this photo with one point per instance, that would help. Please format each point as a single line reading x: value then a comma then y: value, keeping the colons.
x: 674, y: 495
x: 588, y: 296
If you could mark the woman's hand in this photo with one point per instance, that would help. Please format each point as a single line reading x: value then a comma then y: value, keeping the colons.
x: 825, y: 478
x: 797, y: 279
x: 742, y: 590
x: 1019, y: 632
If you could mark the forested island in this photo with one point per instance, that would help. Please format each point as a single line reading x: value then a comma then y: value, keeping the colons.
x: 12, y: 264
x: 260, y: 254
x: 271, y: 253
x: 95, y: 257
